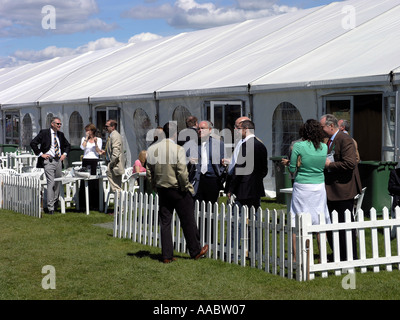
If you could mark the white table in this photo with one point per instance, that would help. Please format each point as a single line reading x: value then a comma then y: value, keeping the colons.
x: 68, y: 179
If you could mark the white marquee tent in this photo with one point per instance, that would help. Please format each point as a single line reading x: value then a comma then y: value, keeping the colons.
x: 309, y: 59
x: 303, y: 48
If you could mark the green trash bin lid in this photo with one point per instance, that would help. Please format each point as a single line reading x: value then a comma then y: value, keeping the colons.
x: 277, y: 158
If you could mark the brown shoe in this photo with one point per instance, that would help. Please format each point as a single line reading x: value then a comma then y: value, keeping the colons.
x: 202, y: 252
x: 169, y: 260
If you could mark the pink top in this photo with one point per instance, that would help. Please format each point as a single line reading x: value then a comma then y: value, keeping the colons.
x: 139, y: 164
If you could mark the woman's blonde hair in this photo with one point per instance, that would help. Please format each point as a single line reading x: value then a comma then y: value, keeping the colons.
x: 142, y: 156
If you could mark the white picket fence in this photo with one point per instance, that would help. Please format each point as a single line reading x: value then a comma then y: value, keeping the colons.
x: 21, y: 194
x: 266, y: 241
x: 390, y: 229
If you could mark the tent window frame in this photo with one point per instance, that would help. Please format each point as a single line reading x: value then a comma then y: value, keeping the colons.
x: 281, y: 138
x: 12, y: 127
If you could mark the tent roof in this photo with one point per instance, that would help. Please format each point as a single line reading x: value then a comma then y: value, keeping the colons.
x: 303, y: 48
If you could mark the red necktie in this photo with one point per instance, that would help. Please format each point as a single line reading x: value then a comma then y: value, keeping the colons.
x: 329, y: 143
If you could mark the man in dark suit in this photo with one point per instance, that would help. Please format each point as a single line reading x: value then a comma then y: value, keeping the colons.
x: 250, y: 169
x: 206, y: 164
x: 246, y: 186
x: 342, y: 179
x: 167, y: 174
x: 54, y: 148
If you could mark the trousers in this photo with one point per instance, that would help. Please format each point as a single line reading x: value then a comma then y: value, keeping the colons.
x: 181, y: 201
x: 52, y: 170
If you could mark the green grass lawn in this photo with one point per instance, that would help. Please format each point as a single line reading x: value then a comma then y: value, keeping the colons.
x: 91, y: 264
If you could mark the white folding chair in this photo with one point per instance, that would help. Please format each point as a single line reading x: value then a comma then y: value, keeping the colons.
x: 125, y: 178
x: 358, y: 202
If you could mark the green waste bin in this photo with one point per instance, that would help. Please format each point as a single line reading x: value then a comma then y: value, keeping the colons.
x: 74, y: 155
x: 283, y: 179
x: 8, y: 148
x: 375, y: 176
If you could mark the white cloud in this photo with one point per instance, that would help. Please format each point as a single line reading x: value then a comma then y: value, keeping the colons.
x: 144, y: 36
x: 24, y: 17
x: 21, y: 57
x: 26, y: 56
x: 195, y: 15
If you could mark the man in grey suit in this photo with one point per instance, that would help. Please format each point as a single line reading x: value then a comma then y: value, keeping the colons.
x: 115, y: 156
x: 167, y: 173
x: 52, y: 148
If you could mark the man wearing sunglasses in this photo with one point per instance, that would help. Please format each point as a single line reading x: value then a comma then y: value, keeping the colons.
x: 52, y: 148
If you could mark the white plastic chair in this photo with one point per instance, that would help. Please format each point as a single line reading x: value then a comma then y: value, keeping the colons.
x: 108, y: 195
x: 133, y: 182
x: 359, y: 199
x: 125, y: 178
x: 8, y: 171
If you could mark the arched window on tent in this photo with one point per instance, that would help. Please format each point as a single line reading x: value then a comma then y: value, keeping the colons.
x: 141, y: 124
x: 76, y: 131
x: 26, y: 131
x: 48, y: 120
x: 286, y: 123
x: 179, y: 115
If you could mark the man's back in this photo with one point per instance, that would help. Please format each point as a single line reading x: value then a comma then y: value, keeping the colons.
x: 166, y: 163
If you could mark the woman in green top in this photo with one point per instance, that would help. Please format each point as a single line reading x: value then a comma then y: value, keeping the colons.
x: 308, y: 161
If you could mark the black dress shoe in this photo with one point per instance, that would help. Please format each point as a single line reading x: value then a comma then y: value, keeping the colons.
x: 202, y: 252
x: 51, y: 212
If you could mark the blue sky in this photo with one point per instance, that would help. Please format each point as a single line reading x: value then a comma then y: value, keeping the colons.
x: 84, y: 25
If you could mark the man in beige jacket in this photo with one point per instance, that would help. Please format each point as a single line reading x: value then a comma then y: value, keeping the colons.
x: 115, y: 156
x: 167, y: 173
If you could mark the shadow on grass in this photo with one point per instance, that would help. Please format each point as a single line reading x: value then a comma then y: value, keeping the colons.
x: 147, y: 254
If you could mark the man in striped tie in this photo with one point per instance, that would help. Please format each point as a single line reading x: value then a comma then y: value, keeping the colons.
x: 53, y: 149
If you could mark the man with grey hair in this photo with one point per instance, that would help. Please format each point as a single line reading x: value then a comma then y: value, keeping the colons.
x: 208, y: 168
x: 51, y: 146
x: 342, y: 180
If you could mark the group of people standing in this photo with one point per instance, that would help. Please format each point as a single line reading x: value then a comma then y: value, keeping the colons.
x: 327, y: 176
x: 192, y: 165
x: 51, y: 147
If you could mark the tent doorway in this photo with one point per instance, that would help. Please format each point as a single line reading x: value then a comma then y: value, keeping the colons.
x: 106, y: 113
x: 364, y: 113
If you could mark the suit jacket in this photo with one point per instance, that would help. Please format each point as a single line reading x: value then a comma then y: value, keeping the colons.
x: 42, y: 144
x: 250, y: 169
x: 215, y: 150
x: 342, y: 179
x: 166, y: 166
x: 115, y: 153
